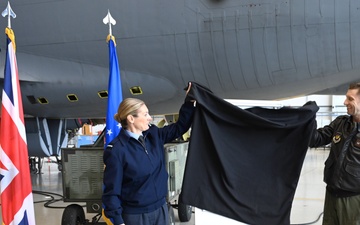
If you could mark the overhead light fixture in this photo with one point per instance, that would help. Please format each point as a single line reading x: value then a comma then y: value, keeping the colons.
x: 103, y: 94
x: 43, y: 100
x: 136, y: 90
x: 72, y: 97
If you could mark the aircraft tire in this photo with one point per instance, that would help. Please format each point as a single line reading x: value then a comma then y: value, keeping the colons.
x: 171, y: 215
x: 184, y: 212
x: 73, y: 215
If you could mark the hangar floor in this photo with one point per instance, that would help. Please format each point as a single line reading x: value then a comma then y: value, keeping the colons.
x: 307, y: 204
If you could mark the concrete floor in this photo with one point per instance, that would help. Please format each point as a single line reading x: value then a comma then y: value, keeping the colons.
x: 307, y: 204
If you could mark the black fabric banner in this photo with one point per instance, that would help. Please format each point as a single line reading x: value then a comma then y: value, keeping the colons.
x: 245, y: 164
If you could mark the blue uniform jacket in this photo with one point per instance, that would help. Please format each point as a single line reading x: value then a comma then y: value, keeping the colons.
x: 135, y: 178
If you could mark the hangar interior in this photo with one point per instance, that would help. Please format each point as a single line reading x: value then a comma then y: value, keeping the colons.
x: 307, y: 205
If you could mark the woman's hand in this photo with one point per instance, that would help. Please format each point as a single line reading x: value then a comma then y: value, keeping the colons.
x: 187, y: 98
x: 188, y: 89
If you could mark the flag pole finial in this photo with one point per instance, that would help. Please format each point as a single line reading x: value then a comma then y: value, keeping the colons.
x: 10, y: 13
x: 109, y: 20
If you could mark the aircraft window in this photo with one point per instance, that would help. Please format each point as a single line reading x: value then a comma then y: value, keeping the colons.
x: 103, y: 94
x: 136, y: 90
x: 72, y: 97
x: 43, y: 100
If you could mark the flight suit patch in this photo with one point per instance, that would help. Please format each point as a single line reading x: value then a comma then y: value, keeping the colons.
x: 337, y: 138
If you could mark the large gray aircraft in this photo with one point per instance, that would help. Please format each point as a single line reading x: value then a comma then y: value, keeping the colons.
x: 259, y: 49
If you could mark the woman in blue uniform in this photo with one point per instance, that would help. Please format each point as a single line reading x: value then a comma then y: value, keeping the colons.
x: 135, y: 176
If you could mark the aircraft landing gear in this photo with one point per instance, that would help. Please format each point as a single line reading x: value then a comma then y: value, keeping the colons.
x: 35, y: 164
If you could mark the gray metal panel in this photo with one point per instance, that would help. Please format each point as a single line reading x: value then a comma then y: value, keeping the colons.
x: 82, y: 173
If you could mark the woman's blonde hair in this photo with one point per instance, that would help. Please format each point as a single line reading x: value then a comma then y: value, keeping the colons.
x: 129, y: 106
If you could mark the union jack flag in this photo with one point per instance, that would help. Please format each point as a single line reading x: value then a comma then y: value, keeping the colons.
x: 17, y: 205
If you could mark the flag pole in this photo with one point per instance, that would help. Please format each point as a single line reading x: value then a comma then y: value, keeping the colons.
x: 109, y: 20
x: 114, y: 91
x: 114, y: 85
x: 9, y: 13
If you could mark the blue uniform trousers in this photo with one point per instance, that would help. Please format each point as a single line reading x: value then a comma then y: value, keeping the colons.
x: 157, y: 217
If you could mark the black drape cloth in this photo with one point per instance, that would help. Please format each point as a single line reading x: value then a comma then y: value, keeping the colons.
x: 245, y: 164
